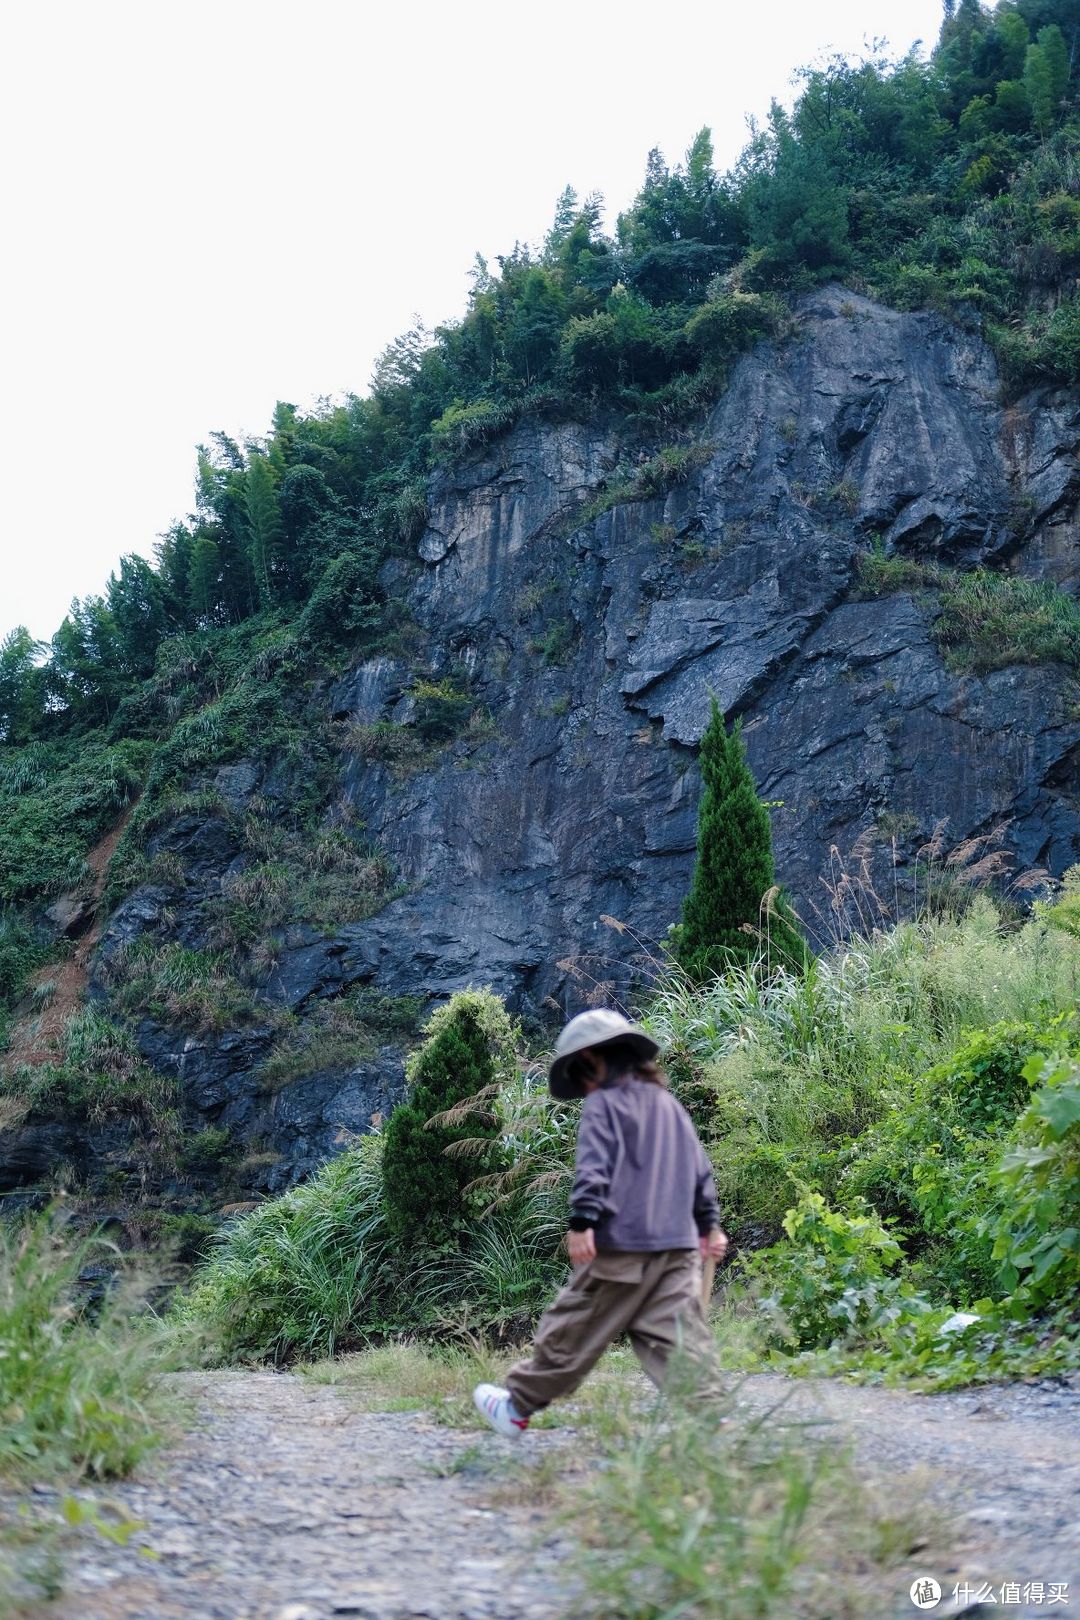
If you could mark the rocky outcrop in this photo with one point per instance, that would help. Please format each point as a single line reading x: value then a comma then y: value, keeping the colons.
x: 867, y: 424
x: 590, y: 642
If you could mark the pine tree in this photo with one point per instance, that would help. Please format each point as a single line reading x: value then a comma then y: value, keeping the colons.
x: 468, y: 1045
x: 734, y: 871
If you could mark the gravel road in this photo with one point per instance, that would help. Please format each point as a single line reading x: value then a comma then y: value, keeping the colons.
x: 283, y: 1501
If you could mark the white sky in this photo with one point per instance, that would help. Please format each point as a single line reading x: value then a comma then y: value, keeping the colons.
x: 209, y: 205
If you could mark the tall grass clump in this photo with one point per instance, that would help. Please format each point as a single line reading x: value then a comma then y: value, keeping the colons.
x: 301, y: 1274
x: 781, y: 1069
x: 321, y: 1268
x: 78, y: 1391
x: 97, y: 1076
x: 989, y: 620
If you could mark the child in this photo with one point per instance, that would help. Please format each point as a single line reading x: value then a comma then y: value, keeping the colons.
x: 643, y: 1214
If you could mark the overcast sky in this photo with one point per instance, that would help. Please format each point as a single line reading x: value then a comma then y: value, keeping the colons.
x: 210, y: 205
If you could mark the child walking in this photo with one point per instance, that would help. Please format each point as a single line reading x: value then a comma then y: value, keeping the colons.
x: 643, y: 1215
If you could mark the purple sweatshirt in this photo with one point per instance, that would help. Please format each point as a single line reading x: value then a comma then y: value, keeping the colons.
x: 642, y: 1178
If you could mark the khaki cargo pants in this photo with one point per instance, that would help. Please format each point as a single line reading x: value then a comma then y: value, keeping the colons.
x: 654, y: 1298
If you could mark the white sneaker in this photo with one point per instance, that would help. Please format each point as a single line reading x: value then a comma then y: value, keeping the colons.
x: 495, y: 1405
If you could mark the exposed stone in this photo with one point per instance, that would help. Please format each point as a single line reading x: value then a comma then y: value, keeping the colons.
x: 71, y: 914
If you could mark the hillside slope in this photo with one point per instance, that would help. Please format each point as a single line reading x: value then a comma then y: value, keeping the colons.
x: 521, y: 761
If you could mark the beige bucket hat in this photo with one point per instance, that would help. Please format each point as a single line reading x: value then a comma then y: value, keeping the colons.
x: 593, y: 1029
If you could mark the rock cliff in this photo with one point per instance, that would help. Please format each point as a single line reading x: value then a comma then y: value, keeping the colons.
x: 865, y: 424
x: 587, y: 630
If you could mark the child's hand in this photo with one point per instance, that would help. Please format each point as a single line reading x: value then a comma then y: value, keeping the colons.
x: 714, y: 1245
x: 581, y: 1247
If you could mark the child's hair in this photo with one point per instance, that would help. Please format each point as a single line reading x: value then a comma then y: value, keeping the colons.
x: 621, y: 1058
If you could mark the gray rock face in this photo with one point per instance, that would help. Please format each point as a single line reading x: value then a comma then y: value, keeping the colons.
x: 738, y: 583
x: 593, y: 648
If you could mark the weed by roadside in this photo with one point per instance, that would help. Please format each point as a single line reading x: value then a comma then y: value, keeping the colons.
x: 701, y: 1513
x: 77, y: 1374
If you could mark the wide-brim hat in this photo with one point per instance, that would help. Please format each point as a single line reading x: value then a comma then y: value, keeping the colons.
x: 594, y: 1028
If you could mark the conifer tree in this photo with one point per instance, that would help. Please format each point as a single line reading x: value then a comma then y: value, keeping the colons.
x: 734, y: 870
x: 468, y: 1045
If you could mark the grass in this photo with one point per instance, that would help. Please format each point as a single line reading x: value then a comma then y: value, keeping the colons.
x: 984, y: 620
x: 56, y: 799
x: 78, y: 1393
x: 410, y: 1377
x: 299, y: 1274
x: 100, y: 1076
x: 989, y: 621
x: 672, y: 465
x: 193, y: 990
x: 339, y: 1034
x: 781, y: 1072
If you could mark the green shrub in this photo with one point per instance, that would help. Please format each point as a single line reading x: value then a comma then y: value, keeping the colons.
x: 20, y: 953
x: 831, y: 1281
x: 733, y: 910
x: 468, y: 1046
x: 983, y: 1083
x: 817, y: 1074
x: 187, y: 1237
x: 463, y: 427
x: 928, y: 1164
x: 319, y: 1267
x: 442, y: 708
x: 1037, y: 1233
x: 400, y: 747
x: 729, y: 322
x: 347, y: 605
x: 206, y: 1150
x: 558, y: 641
x: 56, y: 800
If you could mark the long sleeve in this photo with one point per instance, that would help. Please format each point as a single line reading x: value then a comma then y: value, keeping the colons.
x: 596, y: 1150
x: 706, y: 1203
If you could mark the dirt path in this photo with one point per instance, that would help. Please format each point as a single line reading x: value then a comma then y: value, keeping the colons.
x: 284, y: 1502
